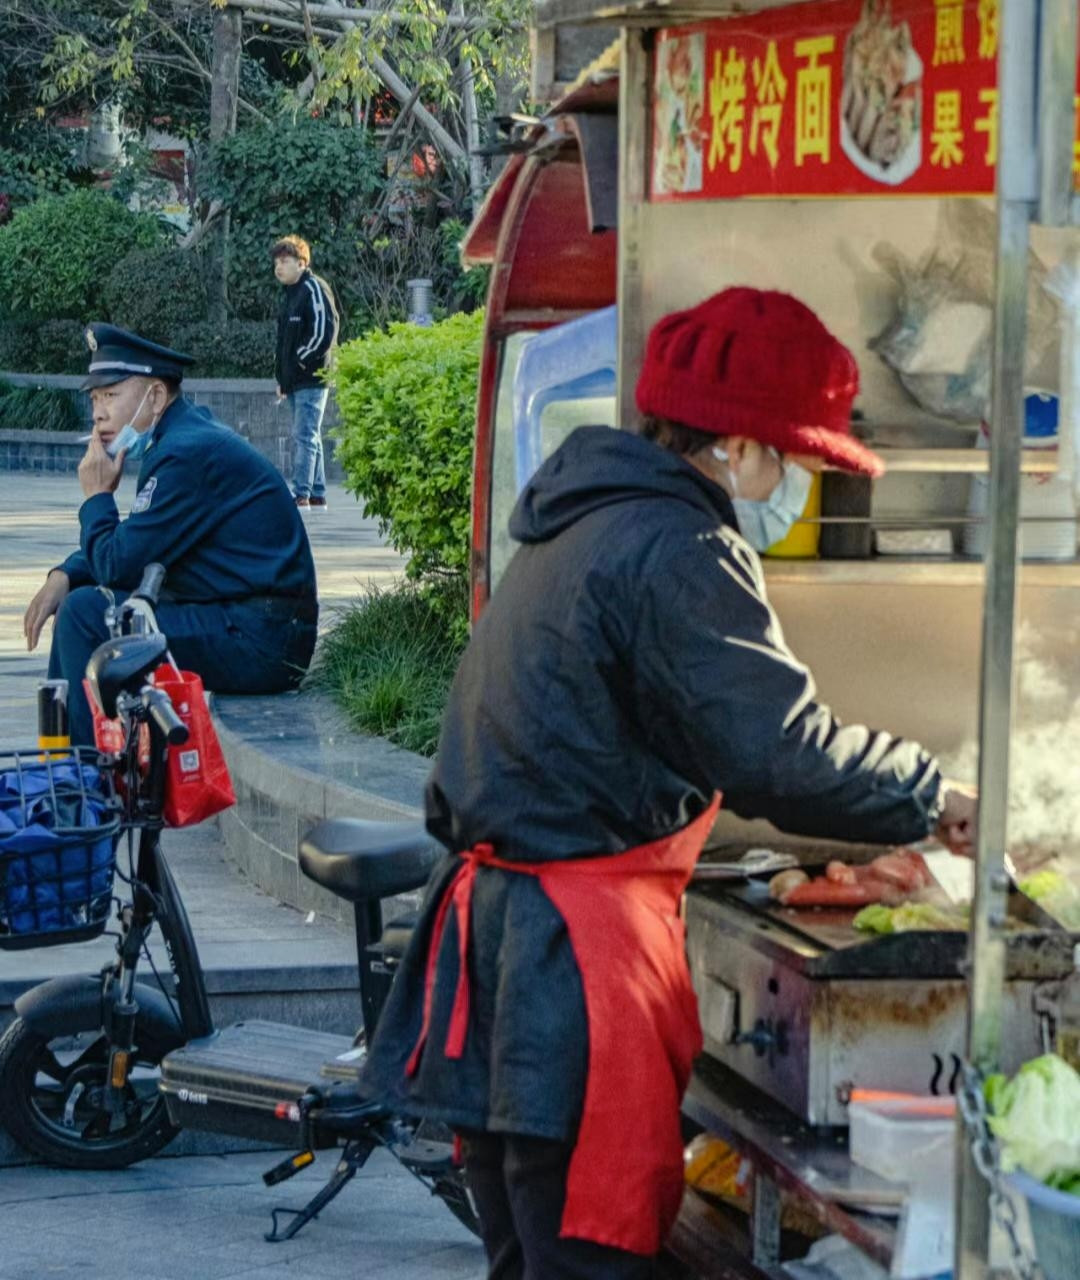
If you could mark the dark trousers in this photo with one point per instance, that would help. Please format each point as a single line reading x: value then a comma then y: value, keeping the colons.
x: 519, y: 1185
x: 253, y: 647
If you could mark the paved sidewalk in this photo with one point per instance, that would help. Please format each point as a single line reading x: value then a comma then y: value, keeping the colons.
x: 203, y: 1218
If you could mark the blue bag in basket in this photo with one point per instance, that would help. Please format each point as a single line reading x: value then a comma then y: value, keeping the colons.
x: 55, y: 874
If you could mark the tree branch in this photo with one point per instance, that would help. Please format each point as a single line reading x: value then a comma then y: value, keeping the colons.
x: 354, y: 17
x: 386, y: 73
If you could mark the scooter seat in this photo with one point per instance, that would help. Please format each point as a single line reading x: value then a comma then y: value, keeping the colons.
x: 365, y: 861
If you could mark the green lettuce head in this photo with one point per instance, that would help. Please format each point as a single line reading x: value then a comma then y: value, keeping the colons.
x: 1036, y: 1119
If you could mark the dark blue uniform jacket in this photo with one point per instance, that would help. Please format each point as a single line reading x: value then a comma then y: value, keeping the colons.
x: 210, y: 508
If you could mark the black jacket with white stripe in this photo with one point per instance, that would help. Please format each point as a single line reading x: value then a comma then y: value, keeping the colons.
x: 306, y: 333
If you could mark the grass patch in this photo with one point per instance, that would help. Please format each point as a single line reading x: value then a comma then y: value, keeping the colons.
x: 389, y: 661
x: 39, y: 409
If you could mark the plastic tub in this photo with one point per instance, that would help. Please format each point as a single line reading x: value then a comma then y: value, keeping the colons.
x: 1055, y: 1226
x: 1041, y: 496
x: 905, y: 1139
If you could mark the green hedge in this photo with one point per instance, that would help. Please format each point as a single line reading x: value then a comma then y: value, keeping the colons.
x: 156, y: 292
x: 242, y: 349
x: 55, y: 253
x: 407, y: 401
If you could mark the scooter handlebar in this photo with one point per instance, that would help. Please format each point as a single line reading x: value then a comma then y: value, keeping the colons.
x: 161, y: 711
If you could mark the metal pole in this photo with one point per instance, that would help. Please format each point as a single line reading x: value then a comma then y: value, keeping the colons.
x: 1016, y: 191
x: 1056, y: 109
x: 633, y: 179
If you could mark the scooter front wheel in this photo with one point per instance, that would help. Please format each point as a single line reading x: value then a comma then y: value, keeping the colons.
x: 53, y: 1096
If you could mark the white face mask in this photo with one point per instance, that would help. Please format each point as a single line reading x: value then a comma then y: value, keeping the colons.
x: 765, y: 522
x: 135, y: 442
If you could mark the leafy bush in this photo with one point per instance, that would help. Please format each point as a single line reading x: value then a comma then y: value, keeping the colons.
x: 310, y: 178
x: 52, y: 252
x: 40, y: 409
x: 389, y: 662
x: 407, y: 401
x: 156, y: 292
x: 28, y: 345
x: 242, y: 349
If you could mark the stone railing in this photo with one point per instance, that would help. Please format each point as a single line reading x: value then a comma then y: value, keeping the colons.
x: 248, y: 405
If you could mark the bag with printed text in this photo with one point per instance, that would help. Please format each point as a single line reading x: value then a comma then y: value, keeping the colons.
x: 197, y: 781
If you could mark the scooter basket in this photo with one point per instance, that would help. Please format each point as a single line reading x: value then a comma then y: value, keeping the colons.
x: 59, y: 828
x: 1055, y: 1226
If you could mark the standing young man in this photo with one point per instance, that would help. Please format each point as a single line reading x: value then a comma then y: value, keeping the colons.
x: 306, y: 335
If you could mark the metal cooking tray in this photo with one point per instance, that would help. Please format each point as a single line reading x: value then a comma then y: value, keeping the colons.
x: 823, y: 942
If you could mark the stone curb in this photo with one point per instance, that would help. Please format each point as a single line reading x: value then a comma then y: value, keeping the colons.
x: 293, y: 762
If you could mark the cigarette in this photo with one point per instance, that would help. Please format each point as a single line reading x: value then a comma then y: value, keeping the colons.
x: 86, y: 439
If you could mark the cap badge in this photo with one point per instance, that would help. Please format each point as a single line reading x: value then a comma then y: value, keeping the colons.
x: 91, y: 341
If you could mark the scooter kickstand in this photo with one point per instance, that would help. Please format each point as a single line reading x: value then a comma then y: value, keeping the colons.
x: 353, y: 1159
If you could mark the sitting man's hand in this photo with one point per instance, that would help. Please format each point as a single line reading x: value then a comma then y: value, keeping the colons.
x: 44, y: 605
x: 98, y: 473
x: 958, y: 825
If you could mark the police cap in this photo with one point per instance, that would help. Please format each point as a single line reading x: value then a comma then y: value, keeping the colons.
x: 116, y: 354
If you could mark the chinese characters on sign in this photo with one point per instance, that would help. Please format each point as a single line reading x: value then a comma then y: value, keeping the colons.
x: 852, y: 97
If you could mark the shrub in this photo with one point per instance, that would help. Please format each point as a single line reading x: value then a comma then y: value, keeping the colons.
x: 407, y: 401
x: 40, y: 409
x: 156, y: 292
x: 242, y: 349
x: 53, y: 253
x: 28, y: 345
x: 308, y: 177
x: 389, y: 661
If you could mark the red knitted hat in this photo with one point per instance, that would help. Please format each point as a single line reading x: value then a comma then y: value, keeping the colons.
x: 750, y: 362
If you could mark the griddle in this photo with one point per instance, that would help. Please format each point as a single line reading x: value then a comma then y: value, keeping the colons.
x: 823, y: 942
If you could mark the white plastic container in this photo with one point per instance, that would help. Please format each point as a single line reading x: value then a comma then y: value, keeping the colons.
x: 1041, y: 496
x: 905, y: 1139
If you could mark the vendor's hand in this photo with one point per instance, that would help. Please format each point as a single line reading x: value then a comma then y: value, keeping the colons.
x: 98, y: 473
x: 958, y: 825
x: 47, y: 601
x: 280, y: 395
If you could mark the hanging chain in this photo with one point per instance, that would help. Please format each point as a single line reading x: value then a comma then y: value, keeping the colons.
x: 987, y: 1159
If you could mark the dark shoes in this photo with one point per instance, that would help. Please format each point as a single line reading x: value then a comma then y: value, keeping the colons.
x: 317, y: 504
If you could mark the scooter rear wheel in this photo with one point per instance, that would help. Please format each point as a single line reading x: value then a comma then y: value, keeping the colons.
x: 52, y: 1101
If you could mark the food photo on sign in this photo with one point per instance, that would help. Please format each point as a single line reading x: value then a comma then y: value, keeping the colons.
x: 881, y: 104
x: 678, y: 114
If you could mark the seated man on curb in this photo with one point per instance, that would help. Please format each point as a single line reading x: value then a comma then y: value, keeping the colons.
x: 239, y: 605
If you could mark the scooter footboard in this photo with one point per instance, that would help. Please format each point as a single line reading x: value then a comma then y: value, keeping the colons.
x: 246, y: 1080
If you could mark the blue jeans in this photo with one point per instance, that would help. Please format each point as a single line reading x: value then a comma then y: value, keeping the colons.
x: 308, y: 405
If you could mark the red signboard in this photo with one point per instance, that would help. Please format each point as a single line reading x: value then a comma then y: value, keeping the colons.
x: 848, y: 97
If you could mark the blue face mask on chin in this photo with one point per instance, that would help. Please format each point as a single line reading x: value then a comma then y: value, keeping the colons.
x: 765, y: 522
x: 135, y: 442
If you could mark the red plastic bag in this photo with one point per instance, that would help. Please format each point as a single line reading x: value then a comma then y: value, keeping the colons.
x: 197, y: 782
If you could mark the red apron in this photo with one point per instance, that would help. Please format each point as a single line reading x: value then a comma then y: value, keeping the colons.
x: 625, y: 1180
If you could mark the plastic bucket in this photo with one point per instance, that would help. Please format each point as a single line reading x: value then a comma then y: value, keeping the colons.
x: 1055, y: 1226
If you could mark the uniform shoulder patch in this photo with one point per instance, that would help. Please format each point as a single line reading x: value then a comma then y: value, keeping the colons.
x: 144, y: 497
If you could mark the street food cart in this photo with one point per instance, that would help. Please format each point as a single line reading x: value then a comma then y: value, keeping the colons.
x: 841, y: 150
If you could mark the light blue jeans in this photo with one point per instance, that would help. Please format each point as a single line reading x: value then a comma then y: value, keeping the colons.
x: 308, y: 405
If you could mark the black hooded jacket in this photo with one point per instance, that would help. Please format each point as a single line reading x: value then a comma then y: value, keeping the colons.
x: 626, y: 668
x: 629, y: 665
